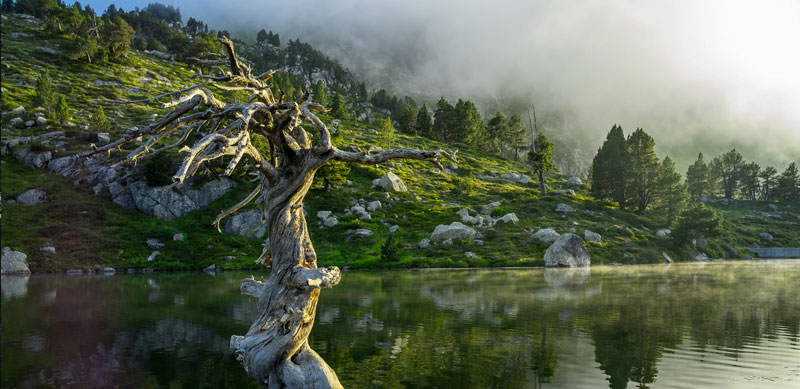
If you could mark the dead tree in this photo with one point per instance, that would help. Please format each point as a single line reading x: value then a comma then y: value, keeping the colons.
x: 275, y: 350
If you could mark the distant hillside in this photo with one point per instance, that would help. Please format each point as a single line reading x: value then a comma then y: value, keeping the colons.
x: 85, y: 219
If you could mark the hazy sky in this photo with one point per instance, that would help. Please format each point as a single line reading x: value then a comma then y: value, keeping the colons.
x: 703, y: 75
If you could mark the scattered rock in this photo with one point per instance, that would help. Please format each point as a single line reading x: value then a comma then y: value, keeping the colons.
x: 666, y: 256
x: 48, y: 250
x: 63, y: 165
x: 663, y: 233
x: 392, y: 183
x: 773, y: 207
x: 179, y: 236
x: 49, y: 50
x: 20, y: 110
x: 568, y: 250
x: 331, y: 221
x: 30, y: 123
x: 154, y: 243
x: 247, y: 224
x: 701, y: 257
x: 574, y: 180
x: 153, y: 256
x: 424, y: 243
x: 561, y: 207
x: 12, y: 262
x: 471, y: 255
x: 510, y: 218
x: 109, y: 270
x: 447, y: 241
x: 324, y: 215
x: 15, y: 122
x: 174, y: 203
x: 590, y: 236
x: 486, y: 209
x: 454, y: 230
x: 40, y: 121
x: 103, y: 138
x: 210, y: 268
x: 362, y: 232
x: 521, y: 178
x: 32, y: 197
x: 562, y: 192
x: 374, y: 206
x: 394, y: 229
x: 547, y: 235
x: 763, y: 235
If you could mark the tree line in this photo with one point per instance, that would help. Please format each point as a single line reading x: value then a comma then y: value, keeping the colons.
x: 730, y: 176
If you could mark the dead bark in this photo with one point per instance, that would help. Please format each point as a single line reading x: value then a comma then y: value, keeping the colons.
x: 275, y: 351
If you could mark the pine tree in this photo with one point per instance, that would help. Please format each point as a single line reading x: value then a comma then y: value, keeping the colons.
x: 697, y: 178
x: 644, y: 168
x: 117, y: 36
x: 408, y: 121
x: 98, y: 121
x: 497, y: 130
x: 442, y: 118
x: 611, y: 168
x: 789, y: 184
x: 516, y: 135
x: 387, y: 133
x: 319, y: 93
x: 424, y: 125
x: 697, y: 221
x: 63, y: 113
x: 768, y: 177
x: 749, y: 184
x: 541, y: 159
x: 338, y: 108
x: 44, y: 92
x: 261, y: 36
x: 8, y: 6
x: 670, y: 192
x: 729, y: 171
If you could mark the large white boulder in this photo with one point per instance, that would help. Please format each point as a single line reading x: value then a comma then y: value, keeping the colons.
x: 31, y: 197
x: 13, y: 262
x: 392, y: 183
x: 547, y: 235
x: 455, y: 230
x: 569, y: 251
x: 574, y: 180
x: 510, y: 218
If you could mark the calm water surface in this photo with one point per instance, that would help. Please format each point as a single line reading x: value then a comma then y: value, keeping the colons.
x: 714, y: 325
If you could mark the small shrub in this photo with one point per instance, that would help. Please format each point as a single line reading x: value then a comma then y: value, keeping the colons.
x: 158, y: 170
x: 463, y: 185
x: 389, y: 250
x: 498, y: 212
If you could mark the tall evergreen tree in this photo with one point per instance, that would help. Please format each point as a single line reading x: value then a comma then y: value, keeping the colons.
x: 338, y: 108
x: 697, y: 221
x: 644, y: 168
x: 465, y: 123
x: 611, y: 168
x: 98, y: 121
x: 442, y: 120
x: 749, y: 185
x: 729, y: 171
x: 496, y: 131
x: 424, y: 125
x: 319, y: 93
x: 541, y: 159
x: 261, y: 37
x: 768, y: 178
x: 408, y: 121
x: 516, y: 135
x: 45, y: 97
x: 117, y: 36
x: 697, y: 178
x: 670, y: 194
x: 789, y: 184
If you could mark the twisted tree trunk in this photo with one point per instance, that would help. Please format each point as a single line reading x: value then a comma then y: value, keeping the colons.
x: 275, y: 351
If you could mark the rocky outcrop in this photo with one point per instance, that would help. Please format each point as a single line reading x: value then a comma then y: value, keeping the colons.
x: 561, y: 207
x: 590, y: 236
x: 455, y: 230
x: 547, y: 235
x: 663, y: 233
x: 510, y: 218
x: 247, y: 224
x: 765, y: 235
x: 574, y: 180
x: 520, y: 178
x: 33, y: 159
x: 569, y: 251
x: 13, y: 262
x: 174, y: 203
x: 392, y: 183
x: 32, y: 197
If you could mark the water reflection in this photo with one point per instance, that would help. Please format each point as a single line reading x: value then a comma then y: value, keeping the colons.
x: 719, y: 325
x: 14, y: 285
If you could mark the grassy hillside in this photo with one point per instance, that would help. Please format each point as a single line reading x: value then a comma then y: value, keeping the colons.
x: 88, y: 230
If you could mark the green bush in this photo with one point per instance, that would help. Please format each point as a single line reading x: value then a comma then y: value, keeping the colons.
x: 498, y: 212
x: 463, y: 185
x: 158, y: 169
x: 389, y: 250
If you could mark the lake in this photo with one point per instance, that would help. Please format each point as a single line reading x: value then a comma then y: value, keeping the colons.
x: 692, y: 325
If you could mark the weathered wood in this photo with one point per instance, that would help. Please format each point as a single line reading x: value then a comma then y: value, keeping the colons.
x: 274, y: 351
